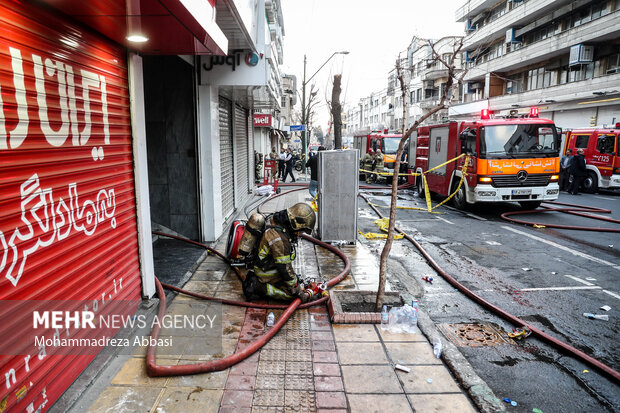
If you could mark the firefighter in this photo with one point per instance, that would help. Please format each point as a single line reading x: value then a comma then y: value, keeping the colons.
x: 273, y: 275
x: 368, y: 164
x: 378, y: 166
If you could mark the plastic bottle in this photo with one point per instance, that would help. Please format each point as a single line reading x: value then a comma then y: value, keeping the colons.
x: 437, y: 347
x: 414, y: 304
x: 385, y: 317
x: 271, y: 320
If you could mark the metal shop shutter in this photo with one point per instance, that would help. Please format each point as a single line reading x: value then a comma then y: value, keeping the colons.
x: 226, y: 157
x: 241, y: 156
x: 67, y: 199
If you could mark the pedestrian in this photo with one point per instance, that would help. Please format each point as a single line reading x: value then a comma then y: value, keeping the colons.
x: 378, y: 166
x: 281, y: 161
x: 273, y: 154
x: 313, y: 164
x: 564, y: 173
x: 288, y: 166
x: 577, y: 170
x: 273, y: 275
x: 369, y: 159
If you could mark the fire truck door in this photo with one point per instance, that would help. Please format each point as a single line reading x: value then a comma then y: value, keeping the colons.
x: 438, y: 149
x: 602, y: 155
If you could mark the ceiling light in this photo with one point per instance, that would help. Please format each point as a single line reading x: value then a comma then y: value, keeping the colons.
x: 137, y: 38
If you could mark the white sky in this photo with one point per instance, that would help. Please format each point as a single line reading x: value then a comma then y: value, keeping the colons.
x: 373, y: 32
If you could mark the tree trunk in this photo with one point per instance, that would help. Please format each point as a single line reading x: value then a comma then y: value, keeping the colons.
x: 337, y: 112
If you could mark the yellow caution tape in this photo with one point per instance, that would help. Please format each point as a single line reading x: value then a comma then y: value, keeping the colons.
x: 374, y: 235
x: 314, y: 204
x: 539, y: 226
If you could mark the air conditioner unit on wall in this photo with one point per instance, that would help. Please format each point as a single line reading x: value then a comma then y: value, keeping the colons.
x: 510, y: 36
x: 580, y: 54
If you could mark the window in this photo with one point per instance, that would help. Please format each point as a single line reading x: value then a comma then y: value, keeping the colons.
x: 468, y: 140
x: 581, y: 141
x: 605, y: 143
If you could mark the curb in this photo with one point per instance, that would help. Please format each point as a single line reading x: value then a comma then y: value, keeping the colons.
x: 479, y: 392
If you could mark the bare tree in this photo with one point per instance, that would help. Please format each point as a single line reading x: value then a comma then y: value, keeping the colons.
x: 336, y: 109
x: 446, y: 96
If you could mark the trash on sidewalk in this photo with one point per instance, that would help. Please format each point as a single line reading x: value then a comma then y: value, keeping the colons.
x: 526, y: 269
x: 536, y: 410
x: 428, y: 279
x: 264, y: 190
x: 604, y: 317
x: 519, y: 333
x: 437, y: 347
x: 511, y: 402
x: 402, y: 368
x: 402, y: 319
x: 606, y: 308
x: 271, y: 318
x: 429, y: 380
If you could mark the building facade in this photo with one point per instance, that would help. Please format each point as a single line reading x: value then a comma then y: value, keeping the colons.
x: 103, y: 136
x: 559, y: 55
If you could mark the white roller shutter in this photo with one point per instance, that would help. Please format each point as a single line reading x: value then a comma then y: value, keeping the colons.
x: 226, y: 157
x: 241, y: 152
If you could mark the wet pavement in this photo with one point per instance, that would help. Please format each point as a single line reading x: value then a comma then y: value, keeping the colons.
x: 311, y: 365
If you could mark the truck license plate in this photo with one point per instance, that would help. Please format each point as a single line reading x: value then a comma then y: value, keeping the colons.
x: 521, y: 191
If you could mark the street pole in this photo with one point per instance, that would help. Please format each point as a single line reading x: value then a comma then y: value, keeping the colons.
x: 303, y: 122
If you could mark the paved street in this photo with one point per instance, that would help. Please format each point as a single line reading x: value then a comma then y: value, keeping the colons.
x: 548, y: 277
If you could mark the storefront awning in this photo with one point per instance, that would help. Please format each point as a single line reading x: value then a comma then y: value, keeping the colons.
x: 173, y: 27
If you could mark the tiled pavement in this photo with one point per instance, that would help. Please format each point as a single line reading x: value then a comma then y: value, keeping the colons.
x: 309, y: 366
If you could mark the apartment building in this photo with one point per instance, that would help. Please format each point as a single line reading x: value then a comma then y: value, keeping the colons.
x: 562, y: 56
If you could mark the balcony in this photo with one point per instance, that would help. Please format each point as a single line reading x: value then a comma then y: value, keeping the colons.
x: 436, y: 74
x: 519, y: 16
x: 604, y: 29
x: 574, y: 94
x: 472, y: 8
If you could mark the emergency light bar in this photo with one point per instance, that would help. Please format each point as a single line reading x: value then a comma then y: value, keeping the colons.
x: 534, y: 112
x: 485, y: 114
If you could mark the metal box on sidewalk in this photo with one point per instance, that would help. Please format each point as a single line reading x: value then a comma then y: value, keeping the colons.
x: 337, y: 199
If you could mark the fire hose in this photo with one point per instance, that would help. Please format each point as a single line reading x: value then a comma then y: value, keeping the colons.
x: 579, y: 210
x: 155, y: 370
x: 503, y: 313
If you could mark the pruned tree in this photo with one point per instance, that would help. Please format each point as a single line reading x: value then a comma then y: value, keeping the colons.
x: 336, y: 110
x: 446, y: 96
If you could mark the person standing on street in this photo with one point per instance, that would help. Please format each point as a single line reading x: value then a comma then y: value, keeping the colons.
x: 288, y: 168
x: 313, y: 164
x: 564, y: 165
x: 281, y: 159
x: 273, y: 154
x: 368, y: 163
x: 378, y: 166
x: 577, y: 169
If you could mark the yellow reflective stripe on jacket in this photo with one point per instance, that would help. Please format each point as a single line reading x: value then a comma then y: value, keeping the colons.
x: 275, y: 292
x: 263, y: 253
x: 285, y: 259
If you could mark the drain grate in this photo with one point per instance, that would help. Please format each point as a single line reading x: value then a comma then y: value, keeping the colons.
x: 474, y: 335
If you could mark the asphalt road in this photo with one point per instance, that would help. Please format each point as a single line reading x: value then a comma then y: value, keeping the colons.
x: 547, y: 277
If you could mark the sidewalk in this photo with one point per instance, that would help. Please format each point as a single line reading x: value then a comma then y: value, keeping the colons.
x: 311, y: 365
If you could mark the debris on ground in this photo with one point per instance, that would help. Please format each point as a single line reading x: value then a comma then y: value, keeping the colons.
x: 526, y: 269
x: 519, y: 333
x: 606, y: 308
x: 604, y: 317
x: 428, y: 279
x: 402, y: 368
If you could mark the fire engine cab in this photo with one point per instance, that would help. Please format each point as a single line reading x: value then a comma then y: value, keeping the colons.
x: 385, y: 140
x: 600, y: 146
x: 513, y: 158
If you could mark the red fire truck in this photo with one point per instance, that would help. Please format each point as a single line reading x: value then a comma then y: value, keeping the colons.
x: 600, y: 146
x: 514, y: 158
x: 385, y: 140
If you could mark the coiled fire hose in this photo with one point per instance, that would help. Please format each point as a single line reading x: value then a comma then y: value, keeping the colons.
x: 503, y: 313
x: 155, y: 370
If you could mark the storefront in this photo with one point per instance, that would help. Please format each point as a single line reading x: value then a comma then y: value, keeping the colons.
x: 68, y: 226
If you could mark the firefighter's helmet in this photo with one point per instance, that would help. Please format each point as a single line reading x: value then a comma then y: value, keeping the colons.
x: 301, y: 217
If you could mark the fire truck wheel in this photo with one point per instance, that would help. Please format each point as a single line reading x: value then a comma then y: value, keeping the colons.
x: 590, y: 184
x: 420, y: 187
x: 458, y: 200
x: 528, y: 205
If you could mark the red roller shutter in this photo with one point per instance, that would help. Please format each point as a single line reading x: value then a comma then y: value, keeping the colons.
x: 67, y: 202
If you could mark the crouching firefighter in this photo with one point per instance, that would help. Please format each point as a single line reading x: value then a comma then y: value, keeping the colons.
x: 273, y: 275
